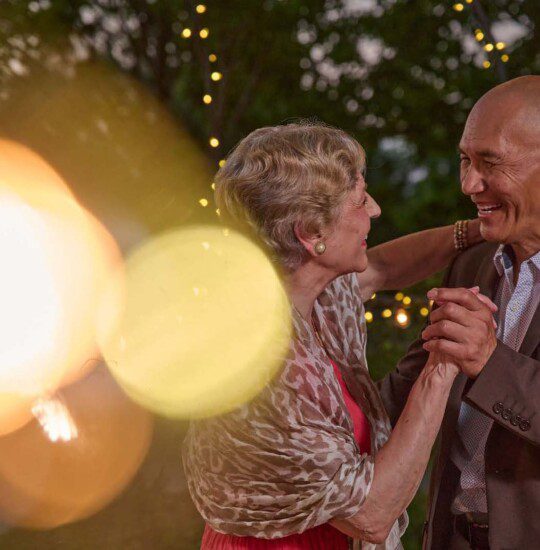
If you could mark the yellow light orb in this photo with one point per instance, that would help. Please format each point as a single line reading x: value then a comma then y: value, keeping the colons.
x: 479, y: 36
x: 203, y: 33
x: 214, y: 142
x: 500, y: 45
x: 206, y: 324
x: 407, y: 300
x: 459, y: 7
x: 207, y: 99
x: 218, y: 212
x: 216, y: 76
x: 222, y: 163
x: 424, y: 311
x: 488, y: 47
x: 213, y: 186
x: 186, y: 33
x: 212, y: 58
x: 203, y: 202
x: 386, y: 313
x: 399, y: 296
x: 201, y: 8
x: 402, y: 318
x: 373, y: 296
x: 486, y: 64
x: 505, y: 58
x: 369, y: 316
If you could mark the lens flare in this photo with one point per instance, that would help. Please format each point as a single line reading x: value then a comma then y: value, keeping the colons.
x: 82, y: 448
x: 206, y: 323
x: 57, y: 260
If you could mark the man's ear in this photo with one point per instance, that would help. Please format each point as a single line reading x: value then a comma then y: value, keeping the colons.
x: 308, y: 240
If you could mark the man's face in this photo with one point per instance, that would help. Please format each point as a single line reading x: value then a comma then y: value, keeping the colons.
x: 500, y: 171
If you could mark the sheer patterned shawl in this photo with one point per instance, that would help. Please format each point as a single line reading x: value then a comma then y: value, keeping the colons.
x: 288, y: 460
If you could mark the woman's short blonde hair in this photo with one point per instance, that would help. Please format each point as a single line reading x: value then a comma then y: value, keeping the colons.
x: 280, y: 176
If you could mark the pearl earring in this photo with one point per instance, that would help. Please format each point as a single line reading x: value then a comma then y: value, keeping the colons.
x: 320, y: 247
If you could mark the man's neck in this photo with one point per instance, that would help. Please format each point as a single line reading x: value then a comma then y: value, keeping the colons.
x: 522, y: 252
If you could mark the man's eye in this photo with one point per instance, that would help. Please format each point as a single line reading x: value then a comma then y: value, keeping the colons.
x: 464, y: 159
x: 364, y: 203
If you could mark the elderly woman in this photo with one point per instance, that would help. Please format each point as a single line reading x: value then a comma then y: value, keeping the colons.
x: 312, y: 462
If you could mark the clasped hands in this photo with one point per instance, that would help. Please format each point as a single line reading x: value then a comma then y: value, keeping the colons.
x: 462, y: 328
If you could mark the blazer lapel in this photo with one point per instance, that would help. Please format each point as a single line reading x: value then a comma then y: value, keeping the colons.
x: 487, y: 277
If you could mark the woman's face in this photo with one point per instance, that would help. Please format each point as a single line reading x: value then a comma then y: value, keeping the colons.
x: 346, y: 246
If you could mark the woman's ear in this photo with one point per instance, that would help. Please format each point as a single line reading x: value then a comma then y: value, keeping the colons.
x: 308, y: 240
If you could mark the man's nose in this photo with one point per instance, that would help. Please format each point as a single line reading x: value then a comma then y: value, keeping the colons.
x: 472, y: 182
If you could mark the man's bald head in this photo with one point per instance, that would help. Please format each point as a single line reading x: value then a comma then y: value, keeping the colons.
x: 511, y: 107
x: 500, y: 163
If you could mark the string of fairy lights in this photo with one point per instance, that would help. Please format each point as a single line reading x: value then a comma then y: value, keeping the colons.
x: 398, y: 310
x: 483, y: 36
x: 214, y: 78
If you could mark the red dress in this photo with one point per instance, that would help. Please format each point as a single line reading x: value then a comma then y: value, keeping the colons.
x: 321, y: 537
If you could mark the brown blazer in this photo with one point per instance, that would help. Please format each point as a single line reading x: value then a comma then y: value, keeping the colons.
x: 507, y: 390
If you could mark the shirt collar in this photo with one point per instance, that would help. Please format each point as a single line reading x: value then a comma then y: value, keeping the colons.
x: 504, y: 256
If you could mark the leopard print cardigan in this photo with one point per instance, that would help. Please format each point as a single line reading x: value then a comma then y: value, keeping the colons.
x: 288, y: 461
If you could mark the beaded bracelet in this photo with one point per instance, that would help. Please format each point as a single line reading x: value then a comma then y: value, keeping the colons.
x: 461, y: 228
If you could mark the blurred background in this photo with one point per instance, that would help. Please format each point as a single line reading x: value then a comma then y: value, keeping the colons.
x: 132, y: 105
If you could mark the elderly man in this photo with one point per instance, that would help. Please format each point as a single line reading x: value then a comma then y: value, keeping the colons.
x: 485, y: 486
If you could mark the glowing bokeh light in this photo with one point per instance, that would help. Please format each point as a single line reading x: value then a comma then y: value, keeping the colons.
x: 206, y: 324
x: 402, y: 318
x: 80, y: 451
x: 15, y: 412
x: 57, y: 260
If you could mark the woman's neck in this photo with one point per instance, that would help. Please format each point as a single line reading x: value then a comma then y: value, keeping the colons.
x: 305, y: 284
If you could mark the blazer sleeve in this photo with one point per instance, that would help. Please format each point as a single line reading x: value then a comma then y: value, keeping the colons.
x: 508, y: 390
x: 397, y: 384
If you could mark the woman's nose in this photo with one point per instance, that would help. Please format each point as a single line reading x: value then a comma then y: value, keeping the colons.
x: 374, y: 209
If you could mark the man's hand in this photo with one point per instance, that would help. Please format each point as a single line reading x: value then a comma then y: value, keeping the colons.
x: 462, y: 327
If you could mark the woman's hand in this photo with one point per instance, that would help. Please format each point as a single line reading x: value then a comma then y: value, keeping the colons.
x: 444, y: 365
